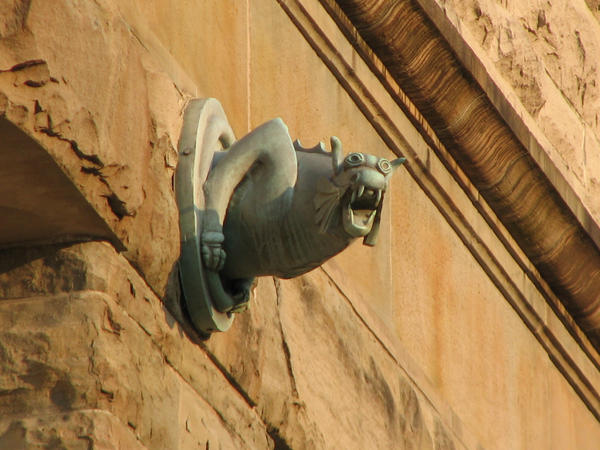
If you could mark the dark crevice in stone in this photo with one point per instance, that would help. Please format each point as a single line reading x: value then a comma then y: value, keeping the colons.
x: 35, y: 84
x: 94, y: 159
x: 284, y: 345
x: 280, y: 442
x: 91, y: 158
x: 234, y: 383
x: 25, y: 65
x: 117, y: 206
x: 93, y: 171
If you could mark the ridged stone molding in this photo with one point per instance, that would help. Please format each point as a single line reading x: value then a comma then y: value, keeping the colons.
x: 470, y: 127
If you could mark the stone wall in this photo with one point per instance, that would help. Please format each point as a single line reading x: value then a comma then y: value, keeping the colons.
x: 91, y: 356
x: 429, y: 340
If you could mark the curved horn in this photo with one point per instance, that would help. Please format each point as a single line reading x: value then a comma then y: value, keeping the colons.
x: 337, y: 154
x: 397, y: 162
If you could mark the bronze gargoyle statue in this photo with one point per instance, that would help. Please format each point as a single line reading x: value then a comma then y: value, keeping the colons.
x: 272, y: 207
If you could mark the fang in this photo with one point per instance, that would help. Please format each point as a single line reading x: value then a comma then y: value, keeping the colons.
x: 361, y: 191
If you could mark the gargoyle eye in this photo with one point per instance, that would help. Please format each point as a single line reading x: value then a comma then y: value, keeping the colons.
x: 384, y: 166
x: 354, y: 159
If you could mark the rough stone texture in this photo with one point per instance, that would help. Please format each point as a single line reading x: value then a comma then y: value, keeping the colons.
x: 334, y: 357
x: 83, y: 430
x: 549, y: 53
x: 111, y: 120
x: 107, y: 344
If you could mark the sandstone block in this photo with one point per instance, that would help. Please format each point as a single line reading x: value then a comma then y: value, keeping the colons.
x: 85, y: 429
x: 101, y: 119
x: 76, y: 352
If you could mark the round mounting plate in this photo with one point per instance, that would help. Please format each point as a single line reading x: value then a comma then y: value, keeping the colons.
x: 205, y: 131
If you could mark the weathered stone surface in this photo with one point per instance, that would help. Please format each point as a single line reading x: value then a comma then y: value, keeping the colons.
x: 115, y: 361
x: 319, y: 377
x: 13, y: 13
x: 352, y: 368
x: 86, y: 429
x: 550, y: 55
x: 83, y: 351
x: 506, y: 164
x: 261, y: 368
x: 96, y: 267
x: 111, y: 121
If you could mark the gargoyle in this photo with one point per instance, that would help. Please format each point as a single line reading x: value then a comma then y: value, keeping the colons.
x: 273, y: 207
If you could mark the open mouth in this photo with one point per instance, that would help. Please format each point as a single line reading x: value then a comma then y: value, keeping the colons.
x: 361, y: 209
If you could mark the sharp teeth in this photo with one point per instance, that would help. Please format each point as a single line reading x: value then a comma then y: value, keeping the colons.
x: 378, y: 196
x: 361, y: 191
x: 353, y: 197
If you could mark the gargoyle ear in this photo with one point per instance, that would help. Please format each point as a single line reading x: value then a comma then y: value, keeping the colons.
x: 337, y: 154
x: 397, y: 162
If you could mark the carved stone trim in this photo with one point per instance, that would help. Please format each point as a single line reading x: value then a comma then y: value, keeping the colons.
x: 489, y: 152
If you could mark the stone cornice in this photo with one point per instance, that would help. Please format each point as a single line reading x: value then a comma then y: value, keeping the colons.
x: 407, y: 133
x: 528, y: 196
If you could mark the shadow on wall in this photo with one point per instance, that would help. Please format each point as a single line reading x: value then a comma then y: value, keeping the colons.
x: 177, y: 308
x: 41, y: 271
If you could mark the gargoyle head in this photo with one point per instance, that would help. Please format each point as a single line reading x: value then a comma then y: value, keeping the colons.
x: 357, y: 186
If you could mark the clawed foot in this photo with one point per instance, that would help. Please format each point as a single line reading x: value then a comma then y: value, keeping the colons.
x: 213, y: 254
x: 242, y: 292
x: 240, y: 307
